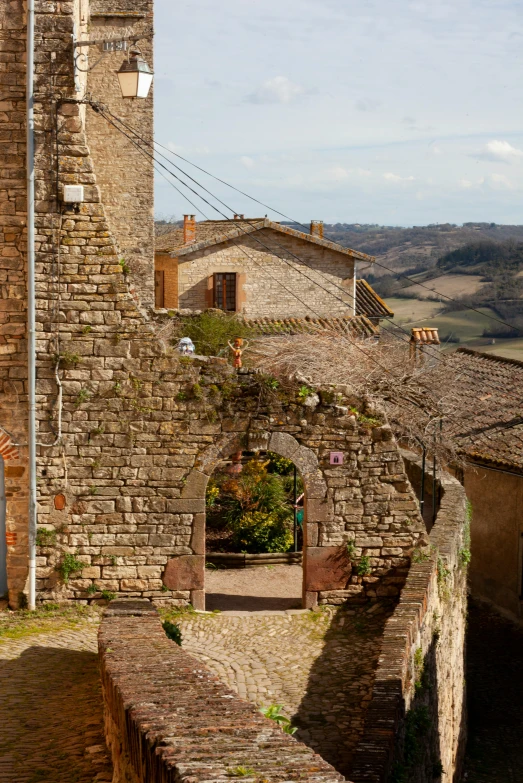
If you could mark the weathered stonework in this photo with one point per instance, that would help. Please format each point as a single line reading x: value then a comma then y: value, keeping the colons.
x: 168, y: 718
x: 415, y: 729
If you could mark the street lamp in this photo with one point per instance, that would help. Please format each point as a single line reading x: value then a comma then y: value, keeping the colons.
x: 135, y: 76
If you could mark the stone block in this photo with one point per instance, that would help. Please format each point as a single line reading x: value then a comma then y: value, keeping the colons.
x: 186, y: 572
x: 312, y: 534
x: 195, y: 485
x: 284, y: 444
x: 306, y: 461
x: 319, y: 510
x: 198, y: 534
x: 327, y: 568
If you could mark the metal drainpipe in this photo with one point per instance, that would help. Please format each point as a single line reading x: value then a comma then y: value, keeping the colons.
x: 31, y: 327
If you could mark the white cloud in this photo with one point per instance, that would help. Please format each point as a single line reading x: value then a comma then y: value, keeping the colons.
x: 500, y: 151
x: 277, y: 90
x: 467, y: 184
x: 247, y: 162
x: 396, y: 177
x: 337, y: 173
x: 500, y: 182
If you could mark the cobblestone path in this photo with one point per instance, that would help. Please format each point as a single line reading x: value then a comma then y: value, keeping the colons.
x: 495, y: 698
x: 51, y: 709
x: 319, y: 665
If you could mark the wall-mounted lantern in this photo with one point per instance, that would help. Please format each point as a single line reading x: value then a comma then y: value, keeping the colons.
x: 135, y: 76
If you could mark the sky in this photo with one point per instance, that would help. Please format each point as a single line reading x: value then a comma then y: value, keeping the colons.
x: 353, y: 111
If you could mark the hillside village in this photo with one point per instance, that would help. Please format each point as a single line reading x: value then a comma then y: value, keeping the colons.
x: 260, y: 516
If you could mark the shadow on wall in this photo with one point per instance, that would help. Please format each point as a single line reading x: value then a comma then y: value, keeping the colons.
x: 418, y: 750
x: 52, y: 714
x: 331, y: 716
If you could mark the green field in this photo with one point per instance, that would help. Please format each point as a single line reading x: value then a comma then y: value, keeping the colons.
x: 468, y: 325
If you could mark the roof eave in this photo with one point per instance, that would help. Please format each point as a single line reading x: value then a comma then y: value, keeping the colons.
x: 221, y: 238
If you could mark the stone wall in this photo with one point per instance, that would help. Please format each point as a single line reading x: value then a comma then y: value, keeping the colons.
x: 125, y: 176
x: 146, y: 436
x: 13, y: 312
x: 415, y: 728
x: 167, y: 718
x: 266, y: 284
x: 129, y: 432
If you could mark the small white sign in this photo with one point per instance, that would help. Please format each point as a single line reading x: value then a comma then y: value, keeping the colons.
x: 73, y: 194
x: 336, y: 458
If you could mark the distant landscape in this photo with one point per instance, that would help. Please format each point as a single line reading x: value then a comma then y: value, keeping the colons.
x: 450, y: 269
x: 454, y: 268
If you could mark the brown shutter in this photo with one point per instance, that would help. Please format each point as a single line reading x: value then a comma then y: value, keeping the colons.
x: 209, y: 294
x: 159, y: 288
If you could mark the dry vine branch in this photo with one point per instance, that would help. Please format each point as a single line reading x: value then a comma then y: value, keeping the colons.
x: 416, y: 397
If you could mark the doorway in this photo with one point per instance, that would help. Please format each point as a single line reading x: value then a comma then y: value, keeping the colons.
x: 3, y: 541
x: 254, y: 534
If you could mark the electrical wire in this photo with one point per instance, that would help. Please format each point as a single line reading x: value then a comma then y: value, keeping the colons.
x: 261, y: 266
x: 426, y: 349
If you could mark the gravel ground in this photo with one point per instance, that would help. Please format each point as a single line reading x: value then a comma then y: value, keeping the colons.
x: 262, y: 588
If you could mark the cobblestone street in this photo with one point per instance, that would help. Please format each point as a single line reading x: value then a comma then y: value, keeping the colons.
x: 495, y: 698
x: 319, y: 665
x: 51, y: 709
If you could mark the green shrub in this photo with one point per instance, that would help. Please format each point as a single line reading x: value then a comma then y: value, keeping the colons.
x: 107, y: 595
x: 69, y: 565
x: 211, y: 331
x: 173, y: 631
x: 273, y: 712
x: 261, y: 531
x: 363, y: 568
x: 45, y: 537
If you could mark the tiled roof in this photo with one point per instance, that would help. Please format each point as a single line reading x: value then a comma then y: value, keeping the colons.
x: 369, y: 303
x: 490, y: 390
x: 213, y: 232
x: 356, y: 326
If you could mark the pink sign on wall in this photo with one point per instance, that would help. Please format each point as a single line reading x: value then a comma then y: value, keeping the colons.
x: 336, y: 458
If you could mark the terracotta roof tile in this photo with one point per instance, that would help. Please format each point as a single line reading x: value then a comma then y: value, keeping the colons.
x: 356, y: 326
x: 369, y: 303
x: 491, y: 391
x: 212, y: 232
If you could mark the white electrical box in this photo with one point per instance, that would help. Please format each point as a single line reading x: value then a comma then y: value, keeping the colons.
x: 73, y: 194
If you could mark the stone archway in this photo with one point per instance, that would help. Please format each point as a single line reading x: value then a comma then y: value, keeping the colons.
x: 187, y: 572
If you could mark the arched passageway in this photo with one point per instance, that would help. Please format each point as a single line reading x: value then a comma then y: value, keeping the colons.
x: 189, y: 572
x: 254, y: 534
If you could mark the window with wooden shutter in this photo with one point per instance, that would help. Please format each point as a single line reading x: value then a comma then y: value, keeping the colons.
x: 159, y: 288
x: 225, y: 291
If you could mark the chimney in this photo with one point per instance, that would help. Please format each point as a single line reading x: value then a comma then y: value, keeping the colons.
x: 189, y: 229
x: 239, y: 217
x: 317, y: 228
x: 424, y: 345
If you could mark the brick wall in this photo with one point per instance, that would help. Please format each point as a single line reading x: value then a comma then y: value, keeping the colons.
x: 168, y: 718
x: 415, y: 728
x: 270, y: 286
x: 13, y: 312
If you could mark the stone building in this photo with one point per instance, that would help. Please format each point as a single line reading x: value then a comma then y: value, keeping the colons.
x: 262, y: 269
x: 129, y: 431
x: 491, y: 439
